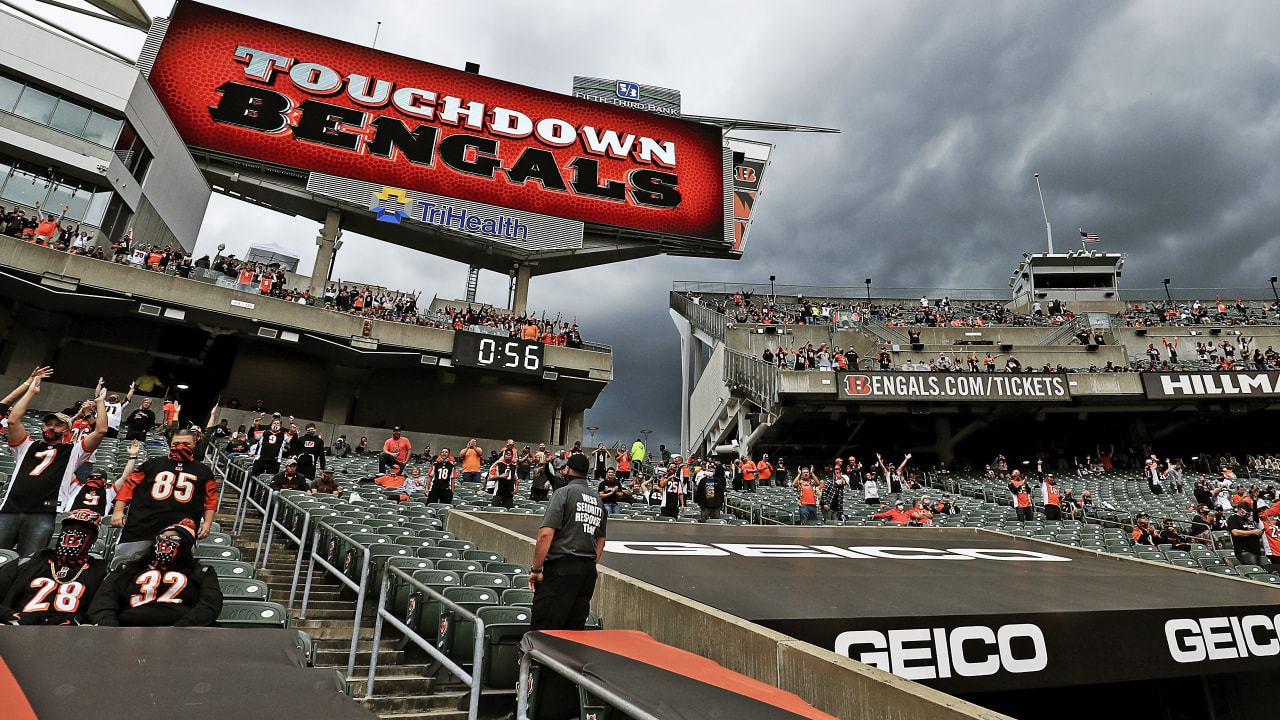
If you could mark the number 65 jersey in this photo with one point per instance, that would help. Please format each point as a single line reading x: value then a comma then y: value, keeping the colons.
x: 163, y: 492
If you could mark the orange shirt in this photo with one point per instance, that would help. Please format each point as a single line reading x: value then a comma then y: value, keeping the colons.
x: 529, y: 332
x: 807, y: 496
x: 391, y: 481
x: 749, y: 470
x: 400, y: 448
x: 764, y: 469
x: 470, y: 459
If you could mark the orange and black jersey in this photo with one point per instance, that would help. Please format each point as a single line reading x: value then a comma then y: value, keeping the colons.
x: 441, y: 474
x: 45, y: 479
x: 137, y: 595
x: 309, y: 451
x: 34, y: 593
x: 163, y: 492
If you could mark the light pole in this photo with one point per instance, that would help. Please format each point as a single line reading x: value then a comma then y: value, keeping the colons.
x: 1273, y: 288
x: 868, y: 282
x: 772, y: 293
x: 646, y: 434
x: 592, y: 429
x: 1166, y: 291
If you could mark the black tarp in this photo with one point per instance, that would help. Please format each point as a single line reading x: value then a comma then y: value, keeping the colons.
x: 666, y: 681
x: 957, y: 609
x: 76, y: 673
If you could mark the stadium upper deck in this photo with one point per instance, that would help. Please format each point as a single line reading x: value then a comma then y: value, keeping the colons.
x: 86, y: 317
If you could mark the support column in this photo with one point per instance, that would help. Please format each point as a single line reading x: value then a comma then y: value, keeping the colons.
x: 686, y: 341
x: 328, y: 244
x: 522, y: 290
x: 696, y: 346
x: 944, y: 443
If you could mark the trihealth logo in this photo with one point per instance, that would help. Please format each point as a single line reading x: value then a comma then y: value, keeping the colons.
x: 389, y: 204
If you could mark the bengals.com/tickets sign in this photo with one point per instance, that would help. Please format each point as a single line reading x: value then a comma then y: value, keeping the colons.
x: 1025, y: 387
x: 240, y: 86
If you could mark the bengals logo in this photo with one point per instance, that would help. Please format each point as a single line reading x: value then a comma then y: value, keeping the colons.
x: 857, y: 385
x: 742, y: 173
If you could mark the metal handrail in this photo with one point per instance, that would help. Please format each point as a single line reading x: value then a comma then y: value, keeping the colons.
x: 998, y: 295
x: 753, y: 376
x: 472, y: 679
x: 300, y: 539
x: 700, y: 316
x: 358, y: 587
x: 586, y: 681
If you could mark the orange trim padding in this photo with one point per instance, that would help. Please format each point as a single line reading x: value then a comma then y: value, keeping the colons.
x: 640, y: 647
x: 12, y: 699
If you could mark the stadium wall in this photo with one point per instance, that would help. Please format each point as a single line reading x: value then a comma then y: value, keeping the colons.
x: 836, y: 685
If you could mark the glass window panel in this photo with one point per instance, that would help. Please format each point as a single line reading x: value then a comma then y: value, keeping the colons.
x: 4, y: 174
x: 36, y: 105
x: 102, y: 129
x: 76, y: 201
x: 97, y: 207
x: 70, y: 117
x: 21, y: 189
x: 9, y: 92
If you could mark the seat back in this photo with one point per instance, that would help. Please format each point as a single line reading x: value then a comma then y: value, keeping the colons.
x: 253, y: 614
x: 236, y: 588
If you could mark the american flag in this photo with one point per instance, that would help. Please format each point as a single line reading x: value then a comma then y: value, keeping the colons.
x: 1088, y: 237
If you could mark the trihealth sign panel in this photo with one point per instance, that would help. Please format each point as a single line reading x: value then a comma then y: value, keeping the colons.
x: 959, y: 387
x: 1208, y: 385
x: 237, y: 85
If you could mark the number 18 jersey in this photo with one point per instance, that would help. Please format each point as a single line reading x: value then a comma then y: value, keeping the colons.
x: 164, y: 492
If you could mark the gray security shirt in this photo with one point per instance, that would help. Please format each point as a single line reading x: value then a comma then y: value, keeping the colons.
x: 578, y: 517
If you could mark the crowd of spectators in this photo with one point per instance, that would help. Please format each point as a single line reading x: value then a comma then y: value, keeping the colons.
x: 1181, y: 314
x: 745, y: 307
x: 366, y: 301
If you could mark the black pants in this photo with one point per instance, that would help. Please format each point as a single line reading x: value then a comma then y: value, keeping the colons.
x: 386, y: 460
x: 264, y: 465
x: 1025, y: 513
x: 563, y: 599
x: 444, y: 495
x: 132, y: 434
x: 1052, y: 512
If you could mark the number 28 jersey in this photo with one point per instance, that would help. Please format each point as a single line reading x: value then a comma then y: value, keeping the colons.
x: 164, y: 492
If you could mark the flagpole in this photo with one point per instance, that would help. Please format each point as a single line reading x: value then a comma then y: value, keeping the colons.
x: 1048, y: 229
x: 1082, y: 247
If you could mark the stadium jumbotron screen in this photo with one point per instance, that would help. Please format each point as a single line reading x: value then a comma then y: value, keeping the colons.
x: 245, y: 87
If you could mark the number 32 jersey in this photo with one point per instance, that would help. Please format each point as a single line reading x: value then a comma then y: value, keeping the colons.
x: 164, y: 492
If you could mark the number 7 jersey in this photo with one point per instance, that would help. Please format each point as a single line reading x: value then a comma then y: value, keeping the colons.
x: 163, y: 492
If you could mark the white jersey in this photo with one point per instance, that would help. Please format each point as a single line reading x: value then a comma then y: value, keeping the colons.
x: 115, y: 412
x: 870, y: 491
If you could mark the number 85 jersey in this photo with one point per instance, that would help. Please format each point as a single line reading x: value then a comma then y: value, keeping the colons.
x: 163, y: 492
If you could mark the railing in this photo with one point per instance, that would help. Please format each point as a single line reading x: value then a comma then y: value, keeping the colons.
x: 584, y: 681
x: 703, y: 318
x: 998, y: 295
x: 1181, y: 294
x: 884, y: 333
x: 317, y: 558
x: 1066, y: 330
x: 755, y: 378
x: 472, y: 678
x: 300, y: 538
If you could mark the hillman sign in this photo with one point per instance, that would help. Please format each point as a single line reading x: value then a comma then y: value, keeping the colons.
x: 1160, y: 386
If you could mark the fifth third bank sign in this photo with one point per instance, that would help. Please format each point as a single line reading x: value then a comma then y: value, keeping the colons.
x: 1025, y: 387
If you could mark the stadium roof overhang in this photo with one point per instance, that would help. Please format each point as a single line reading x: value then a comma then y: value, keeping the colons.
x: 129, y: 12
x: 959, y: 609
x: 285, y: 190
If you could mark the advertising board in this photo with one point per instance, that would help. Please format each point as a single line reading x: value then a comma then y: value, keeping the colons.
x: 1211, y: 385
x: 976, y: 387
x: 624, y: 93
x: 248, y: 88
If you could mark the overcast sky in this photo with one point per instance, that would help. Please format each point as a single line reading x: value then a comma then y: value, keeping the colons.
x: 1153, y: 124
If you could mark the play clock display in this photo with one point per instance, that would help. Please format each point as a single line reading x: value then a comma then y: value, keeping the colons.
x: 497, y: 353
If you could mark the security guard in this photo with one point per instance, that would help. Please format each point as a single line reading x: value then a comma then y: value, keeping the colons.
x: 563, y: 576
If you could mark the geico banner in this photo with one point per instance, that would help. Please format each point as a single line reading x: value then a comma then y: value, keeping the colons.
x: 872, y: 386
x: 237, y: 85
x: 1160, y: 386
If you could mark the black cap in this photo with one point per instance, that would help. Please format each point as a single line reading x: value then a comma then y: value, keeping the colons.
x: 579, y: 464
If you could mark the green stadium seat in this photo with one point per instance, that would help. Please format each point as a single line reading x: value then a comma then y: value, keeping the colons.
x: 517, y: 596
x: 486, y: 579
x: 253, y: 614
x: 593, y: 621
x: 1249, y: 569
x: 504, y: 628
x: 1185, y: 563
x: 506, y: 568
x: 219, y: 552
x: 422, y: 613
x: 457, y: 544
x: 235, y: 588
x: 438, y: 553
x: 1265, y: 577
x: 483, y: 556
x: 1222, y: 570
x: 457, y: 634
x: 8, y: 556
x: 230, y: 568
x: 399, y: 590
x: 308, y: 647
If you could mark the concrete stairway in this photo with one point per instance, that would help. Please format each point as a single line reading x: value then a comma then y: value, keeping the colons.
x: 404, y: 691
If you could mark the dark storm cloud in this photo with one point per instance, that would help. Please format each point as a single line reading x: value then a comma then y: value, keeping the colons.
x: 1154, y: 124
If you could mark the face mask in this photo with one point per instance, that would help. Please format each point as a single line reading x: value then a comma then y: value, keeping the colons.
x: 166, y: 551
x: 182, y: 453
x: 275, y: 427
x: 53, y: 437
x: 73, y: 547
